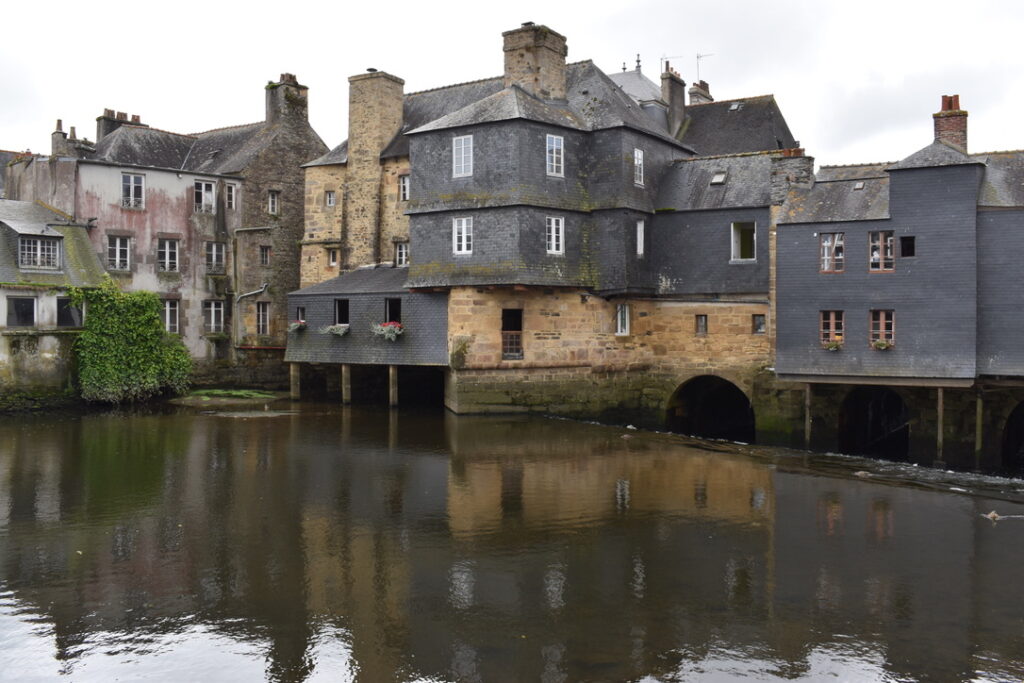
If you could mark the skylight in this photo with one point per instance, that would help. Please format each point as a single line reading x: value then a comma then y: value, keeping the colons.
x: 735, y: 106
x: 859, y: 185
x: 718, y: 178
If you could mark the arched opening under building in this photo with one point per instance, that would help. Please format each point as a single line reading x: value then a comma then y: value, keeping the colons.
x: 1013, y: 443
x: 873, y: 421
x: 712, y: 408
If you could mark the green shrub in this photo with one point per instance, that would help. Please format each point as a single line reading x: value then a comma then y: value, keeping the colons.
x: 124, y: 355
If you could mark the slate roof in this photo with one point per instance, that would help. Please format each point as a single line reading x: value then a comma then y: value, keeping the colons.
x: 5, y: 158
x: 936, y: 154
x: 143, y: 146
x: 80, y: 265
x: 636, y: 85
x: 852, y: 171
x: 716, y: 128
x: 687, y: 185
x: 838, y: 200
x: 1003, y: 182
x: 383, y: 279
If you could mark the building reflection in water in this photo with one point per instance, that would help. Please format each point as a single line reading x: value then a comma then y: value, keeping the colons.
x: 383, y: 545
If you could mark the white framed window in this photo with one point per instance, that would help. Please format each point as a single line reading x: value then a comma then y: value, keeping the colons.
x: 831, y: 245
x: 402, y: 254
x: 167, y: 255
x: 170, y: 315
x: 39, y: 252
x: 462, y: 156
x: 556, y: 155
x: 119, y: 250
x: 332, y: 257
x: 621, y: 320
x: 213, y: 316
x: 133, y: 190
x: 215, y: 252
x: 403, y: 188
x: 462, y: 235
x: 265, y: 254
x: 554, y: 235
x: 330, y: 198
x: 21, y: 311
x: 230, y: 196
x: 744, y: 241
x: 205, y: 196
x: 641, y: 228
x: 638, y: 166
x: 262, y: 317
x: 273, y: 202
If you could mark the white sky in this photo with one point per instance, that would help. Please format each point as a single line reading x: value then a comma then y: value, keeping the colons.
x: 857, y: 81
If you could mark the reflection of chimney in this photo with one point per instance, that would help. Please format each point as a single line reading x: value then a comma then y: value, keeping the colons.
x: 535, y: 61
x: 700, y: 93
x: 951, y: 123
x: 673, y: 93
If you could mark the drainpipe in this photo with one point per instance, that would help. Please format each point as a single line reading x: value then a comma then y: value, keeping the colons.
x: 237, y: 316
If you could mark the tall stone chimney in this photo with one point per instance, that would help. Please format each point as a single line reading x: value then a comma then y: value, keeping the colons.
x: 286, y: 100
x: 374, y: 118
x: 673, y: 93
x: 951, y: 123
x: 700, y: 93
x: 535, y: 61
x: 59, y: 141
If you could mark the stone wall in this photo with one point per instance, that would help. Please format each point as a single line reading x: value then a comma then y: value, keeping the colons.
x: 324, y: 224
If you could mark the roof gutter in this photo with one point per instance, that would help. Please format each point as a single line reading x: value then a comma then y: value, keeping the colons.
x: 253, y: 292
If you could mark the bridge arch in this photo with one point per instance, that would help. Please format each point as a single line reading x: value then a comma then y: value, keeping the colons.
x: 711, y: 407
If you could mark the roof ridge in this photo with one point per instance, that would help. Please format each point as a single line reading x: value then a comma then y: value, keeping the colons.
x: 735, y: 99
x: 869, y: 163
x: 978, y: 154
x: 451, y: 85
x: 850, y: 180
x: 158, y: 130
x: 217, y: 130
x: 765, y: 152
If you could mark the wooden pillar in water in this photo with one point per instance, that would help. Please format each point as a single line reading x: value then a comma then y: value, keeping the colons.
x: 979, y: 426
x: 293, y: 381
x: 346, y: 383
x: 392, y: 385
x: 807, y: 416
x: 939, y: 428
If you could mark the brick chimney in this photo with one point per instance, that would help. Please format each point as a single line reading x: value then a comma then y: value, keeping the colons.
x: 286, y: 100
x: 700, y: 93
x: 535, y: 61
x: 673, y: 93
x: 951, y: 123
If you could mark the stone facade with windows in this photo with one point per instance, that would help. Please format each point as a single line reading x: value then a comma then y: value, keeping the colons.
x: 186, y: 215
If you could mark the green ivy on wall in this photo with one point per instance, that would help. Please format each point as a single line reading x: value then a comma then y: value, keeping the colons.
x: 124, y: 355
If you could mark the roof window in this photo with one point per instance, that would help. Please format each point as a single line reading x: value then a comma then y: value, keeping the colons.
x: 859, y: 185
x: 735, y: 106
x: 718, y: 178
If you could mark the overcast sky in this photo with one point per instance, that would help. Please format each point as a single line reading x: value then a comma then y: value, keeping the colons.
x: 857, y: 81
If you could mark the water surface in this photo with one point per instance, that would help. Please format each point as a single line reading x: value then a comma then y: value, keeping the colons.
x: 322, y: 543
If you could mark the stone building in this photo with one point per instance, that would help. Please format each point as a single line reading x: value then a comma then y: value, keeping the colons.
x: 555, y: 239
x: 209, y: 221
x: 42, y: 253
x: 897, y: 302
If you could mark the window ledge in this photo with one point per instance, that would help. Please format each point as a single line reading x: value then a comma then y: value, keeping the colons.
x: 742, y: 261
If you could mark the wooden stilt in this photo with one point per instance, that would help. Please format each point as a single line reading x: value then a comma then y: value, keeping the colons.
x: 346, y: 384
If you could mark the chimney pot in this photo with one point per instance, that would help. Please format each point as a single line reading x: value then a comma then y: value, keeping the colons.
x: 60, y: 126
x: 951, y: 123
x: 108, y: 112
x: 136, y: 119
x: 121, y: 116
x: 73, y: 136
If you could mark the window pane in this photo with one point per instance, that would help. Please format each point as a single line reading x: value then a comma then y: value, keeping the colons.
x: 68, y: 315
x: 21, y: 311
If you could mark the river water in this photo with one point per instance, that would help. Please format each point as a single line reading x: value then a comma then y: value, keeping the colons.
x: 327, y: 543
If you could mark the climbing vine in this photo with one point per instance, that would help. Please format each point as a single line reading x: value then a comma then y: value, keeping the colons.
x: 124, y: 355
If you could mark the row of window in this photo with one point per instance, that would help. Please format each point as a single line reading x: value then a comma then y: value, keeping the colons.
x: 392, y: 311
x: 881, y: 327
x: 167, y: 254
x: 554, y: 155
x: 133, y: 195
x: 881, y: 251
x: 331, y: 196
x: 213, y: 316
x: 22, y: 311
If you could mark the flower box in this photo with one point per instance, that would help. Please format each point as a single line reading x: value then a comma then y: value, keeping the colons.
x: 881, y: 345
x: 339, y: 330
x: 389, y: 330
x: 296, y: 325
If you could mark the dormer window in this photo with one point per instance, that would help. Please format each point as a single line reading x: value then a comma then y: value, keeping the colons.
x: 39, y: 252
x: 718, y: 178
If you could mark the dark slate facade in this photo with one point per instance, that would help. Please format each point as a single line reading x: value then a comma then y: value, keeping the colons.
x: 367, y: 290
x: 933, y: 294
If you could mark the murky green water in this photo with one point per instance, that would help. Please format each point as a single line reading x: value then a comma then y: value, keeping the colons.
x: 331, y: 544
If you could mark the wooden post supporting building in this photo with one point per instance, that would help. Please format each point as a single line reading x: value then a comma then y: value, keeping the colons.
x: 807, y: 416
x: 346, y: 383
x: 293, y: 381
x: 392, y: 385
x: 939, y: 429
x: 979, y: 429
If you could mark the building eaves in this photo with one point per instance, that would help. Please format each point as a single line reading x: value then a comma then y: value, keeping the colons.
x: 936, y: 154
x: 370, y: 280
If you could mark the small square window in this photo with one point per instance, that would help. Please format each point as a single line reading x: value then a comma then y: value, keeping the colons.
x: 21, y: 311
x: 329, y: 198
x: 908, y: 246
x: 718, y: 178
x: 757, y: 323
x: 859, y: 185
x: 700, y: 327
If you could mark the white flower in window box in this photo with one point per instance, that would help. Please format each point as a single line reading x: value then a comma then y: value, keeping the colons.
x: 881, y: 345
x: 339, y: 330
x: 296, y: 325
x: 389, y: 330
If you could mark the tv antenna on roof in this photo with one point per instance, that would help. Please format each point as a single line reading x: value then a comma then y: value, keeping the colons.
x: 700, y: 57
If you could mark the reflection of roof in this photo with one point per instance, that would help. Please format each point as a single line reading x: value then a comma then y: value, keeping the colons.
x: 362, y: 281
x: 80, y: 265
x: 735, y: 126
x: 688, y: 184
